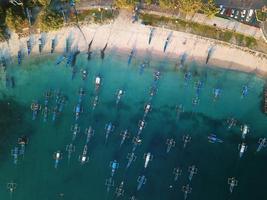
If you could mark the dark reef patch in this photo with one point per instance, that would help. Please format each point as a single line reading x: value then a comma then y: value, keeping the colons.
x: 12, y: 124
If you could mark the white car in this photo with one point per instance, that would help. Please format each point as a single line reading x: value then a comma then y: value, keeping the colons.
x: 222, y: 11
x: 232, y: 12
x: 249, y: 15
x: 243, y: 14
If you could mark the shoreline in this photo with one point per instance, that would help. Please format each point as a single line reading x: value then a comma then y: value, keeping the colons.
x: 201, y: 61
x: 124, y: 36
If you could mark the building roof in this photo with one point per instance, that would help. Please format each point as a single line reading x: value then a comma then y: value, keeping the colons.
x: 243, y: 4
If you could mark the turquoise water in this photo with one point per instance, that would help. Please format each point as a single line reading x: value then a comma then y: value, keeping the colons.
x: 36, y: 177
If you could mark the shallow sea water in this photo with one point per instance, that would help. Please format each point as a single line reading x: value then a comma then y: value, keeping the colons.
x: 36, y: 177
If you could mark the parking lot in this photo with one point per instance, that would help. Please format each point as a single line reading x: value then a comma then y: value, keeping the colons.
x: 247, y: 16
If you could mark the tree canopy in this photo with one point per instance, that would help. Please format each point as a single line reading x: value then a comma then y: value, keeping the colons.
x: 15, y: 19
x: 189, y: 6
x: 48, y: 20
x: 209, y: 8
x: 37, y: 2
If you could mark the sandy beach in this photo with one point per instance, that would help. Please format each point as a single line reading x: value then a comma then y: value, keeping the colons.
x: 123, y: 35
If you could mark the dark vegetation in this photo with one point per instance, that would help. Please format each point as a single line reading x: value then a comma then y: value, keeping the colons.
x: 12, y: 123
x: 45, y: 15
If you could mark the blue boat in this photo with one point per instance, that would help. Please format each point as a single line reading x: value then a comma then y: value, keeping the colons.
x: 61, y: 103
x: 109, y: 183
x: 54, y: 113
x: 35, y: 107
x: 167, y: 42
x: 67, y: 45
x: 131, y: 158
x: 7, y: 81
x: 198, y: 87
x: 89, y: 134
x: 57, y: 157
x: 131, y: 56
x: 84, y: 158
x: 151, y: 35
x: 114, y: 165
x: 3, y: 63
x: 141, y: 181
x: 84, y: 74
x: 262, y: 143
x: 187, y: 77
x: 29, y: 47
x: 15, y: 155
x: 48, y: 95
x: 78, y: 111
x: 142, y: 68
x: 22, y: 141
x: 45, y: 113
x: 75, y: 130
x: 53, y: 45
x: 57, y: 96
x: 60, y: 59
x: 70, y: 148
x: 109, y: 128
x: 19, y: 57
x: 182, y: 61
x: 244, y: 91
x: 217, y: 93
x: 81, y: 95
x: 69, y: 58
x: 73, y: 72
x: 41, y: 44
x: 89, y: 52
x: 213, y: 139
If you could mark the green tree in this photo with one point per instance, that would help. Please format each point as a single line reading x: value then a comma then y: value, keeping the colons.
x: 189, y: 6
x: 44, y: 2
x: 2, y: 24
x: 33, y: 3
x: 49, y: 20
x: 15, y: 19
x: 148, y: 2
x: 126, y: 3
x: 166, y: 3
x: 209, y: 8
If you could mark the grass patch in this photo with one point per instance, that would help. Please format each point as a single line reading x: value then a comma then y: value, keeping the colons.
x: 250, y: 42
x: 95, y: 15
x: 199, y: 29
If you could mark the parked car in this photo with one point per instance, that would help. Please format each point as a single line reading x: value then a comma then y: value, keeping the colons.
x: 222, y: 11
x: 237, y: 14
x: 243, y: 14
x: 232, y: 12
x: 249, y: 15
x: 228, y: 12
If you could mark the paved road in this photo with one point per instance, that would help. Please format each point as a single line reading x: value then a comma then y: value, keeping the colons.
x: 228, y: 24
x: 243, y: 4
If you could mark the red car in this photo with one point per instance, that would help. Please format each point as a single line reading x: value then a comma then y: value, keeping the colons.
x: 228, y: 12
